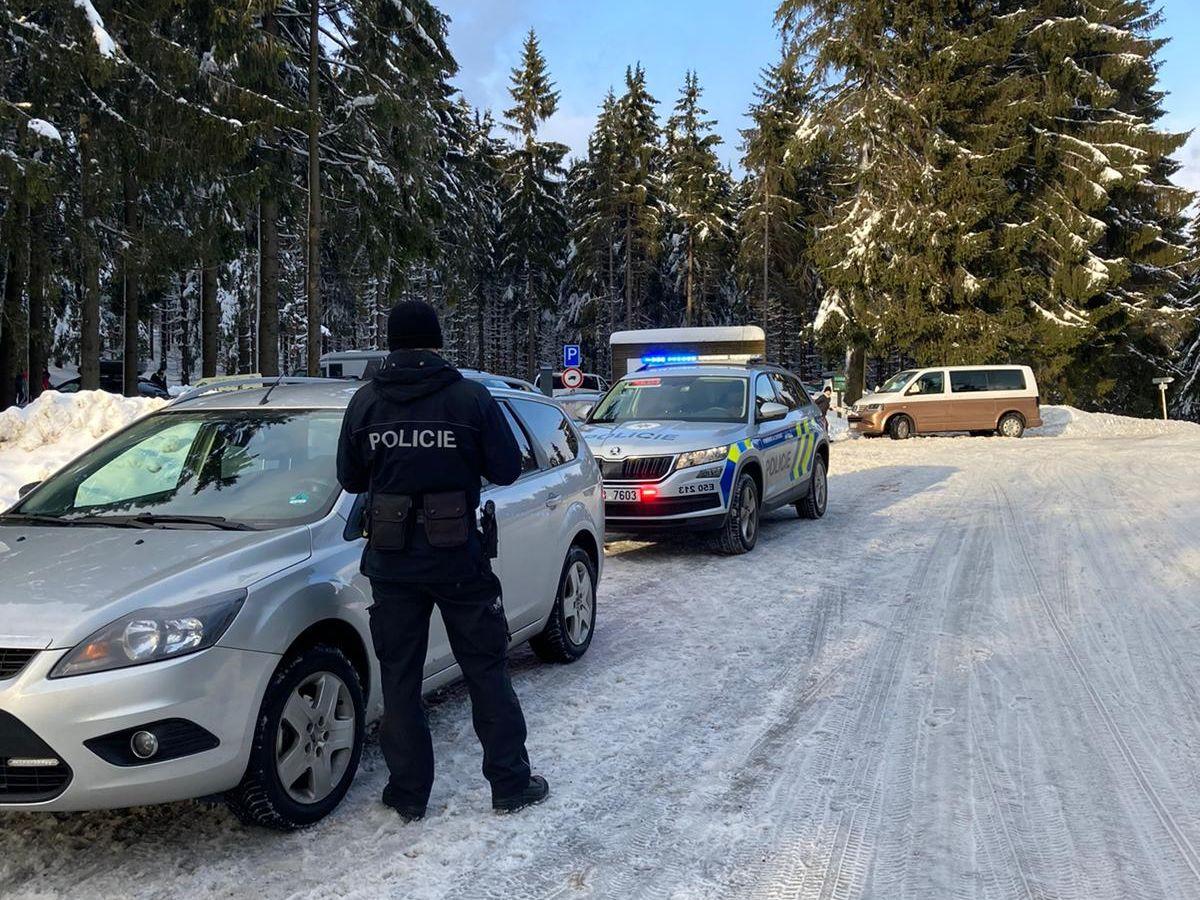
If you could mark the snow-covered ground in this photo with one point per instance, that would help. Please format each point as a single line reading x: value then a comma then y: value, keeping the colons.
x: 977, y: 677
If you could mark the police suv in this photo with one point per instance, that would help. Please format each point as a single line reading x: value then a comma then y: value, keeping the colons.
x: 708, y: 447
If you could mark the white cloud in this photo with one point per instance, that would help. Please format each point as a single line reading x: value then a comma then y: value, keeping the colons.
x: 1189, y: 158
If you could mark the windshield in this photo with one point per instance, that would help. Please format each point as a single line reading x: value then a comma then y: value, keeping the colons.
x: 261, y: 469
x: 683, y: 398
x: 897, y: 381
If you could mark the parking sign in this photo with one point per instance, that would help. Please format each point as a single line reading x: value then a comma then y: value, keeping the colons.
x: 571, y: 356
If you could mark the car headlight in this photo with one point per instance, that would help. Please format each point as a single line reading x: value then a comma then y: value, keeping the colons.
x: 151, y: 635
x: 868, y: 407
x: 700, y: 457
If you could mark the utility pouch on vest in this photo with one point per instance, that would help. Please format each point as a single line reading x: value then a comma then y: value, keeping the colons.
x: 389, y: 521
x: 447, y: 519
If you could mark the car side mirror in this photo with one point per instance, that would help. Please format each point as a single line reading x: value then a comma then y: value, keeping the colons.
x: 769, y: 411
x: 26, y: 488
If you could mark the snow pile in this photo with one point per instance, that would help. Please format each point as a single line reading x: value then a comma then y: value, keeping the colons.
x: 54, y: 429
x: 1067, y: 421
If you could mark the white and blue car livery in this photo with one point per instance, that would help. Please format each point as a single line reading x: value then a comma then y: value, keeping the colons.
x: 696, y: 446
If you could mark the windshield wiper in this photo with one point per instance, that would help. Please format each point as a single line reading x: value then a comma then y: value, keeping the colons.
x: 152, y: 519
x: 34, y: 519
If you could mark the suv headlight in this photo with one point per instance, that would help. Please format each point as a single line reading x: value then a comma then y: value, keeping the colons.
x: 868, y: 407
x: 700, y: 457
x: 151, y: 635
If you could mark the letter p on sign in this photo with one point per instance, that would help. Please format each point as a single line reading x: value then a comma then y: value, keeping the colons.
x: 571, y: 356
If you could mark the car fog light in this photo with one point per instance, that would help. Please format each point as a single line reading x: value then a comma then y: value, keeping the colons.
x: 143, y: 744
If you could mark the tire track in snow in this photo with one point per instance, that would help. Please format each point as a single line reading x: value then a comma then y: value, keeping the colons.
x: 1182, y: 844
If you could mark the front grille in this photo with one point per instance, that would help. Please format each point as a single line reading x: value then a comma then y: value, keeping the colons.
x: 28, y: 784
x: 637, y: 468
x: 664, y: 506
x: 12, y: 661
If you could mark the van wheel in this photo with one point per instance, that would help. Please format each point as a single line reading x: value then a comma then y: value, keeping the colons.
x: 739, y: 531
x: 307, y: 743
x: 812, y: 504
x: 568, y: 633
x: 900, y: 427
x: 1011, y: 425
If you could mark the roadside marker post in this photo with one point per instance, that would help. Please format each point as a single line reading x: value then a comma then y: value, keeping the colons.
x: 1162, y: 390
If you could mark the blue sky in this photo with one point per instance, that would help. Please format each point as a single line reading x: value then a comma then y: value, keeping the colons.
x: 588, y: 44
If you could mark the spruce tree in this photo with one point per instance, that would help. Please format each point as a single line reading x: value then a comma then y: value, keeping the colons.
x: 533, y: 213
x: 639, y: 161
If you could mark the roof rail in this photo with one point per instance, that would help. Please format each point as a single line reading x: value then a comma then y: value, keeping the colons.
x: 246, y: 382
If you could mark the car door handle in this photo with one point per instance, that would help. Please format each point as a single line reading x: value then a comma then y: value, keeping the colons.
x: 553, y: 500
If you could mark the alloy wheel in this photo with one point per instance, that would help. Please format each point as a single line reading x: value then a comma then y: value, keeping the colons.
x: 748, y: 515
x: 578, y: 602
x: 315, y: 739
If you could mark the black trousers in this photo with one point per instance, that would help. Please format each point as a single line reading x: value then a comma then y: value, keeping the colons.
x: 478, y: 633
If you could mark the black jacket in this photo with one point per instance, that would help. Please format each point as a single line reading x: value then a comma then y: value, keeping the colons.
x: 419, y: 427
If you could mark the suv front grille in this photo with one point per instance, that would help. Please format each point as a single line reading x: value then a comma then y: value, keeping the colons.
x: 12, y: 661
x: 637, y: 468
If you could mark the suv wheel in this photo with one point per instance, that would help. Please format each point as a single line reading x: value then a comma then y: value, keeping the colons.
x: 1011, y: 425
x: 307, y: 743
x: 900, y: 427
x: 568, y: 633
x: 812, y: 504
x: 739, y: 531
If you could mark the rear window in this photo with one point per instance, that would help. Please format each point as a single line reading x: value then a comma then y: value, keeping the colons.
x: 987, y: 380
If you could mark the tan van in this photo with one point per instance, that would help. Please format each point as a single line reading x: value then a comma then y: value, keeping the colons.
x: 978, y: 399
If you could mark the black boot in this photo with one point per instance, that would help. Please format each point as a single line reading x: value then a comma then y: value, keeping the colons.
x: 537, y: 791
x: 406, y: 811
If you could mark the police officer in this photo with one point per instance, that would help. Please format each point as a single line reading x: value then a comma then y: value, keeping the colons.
x: 417, y: 438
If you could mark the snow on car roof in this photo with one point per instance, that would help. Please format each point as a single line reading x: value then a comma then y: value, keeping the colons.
x: 688, y: 335
x: 305, y: 393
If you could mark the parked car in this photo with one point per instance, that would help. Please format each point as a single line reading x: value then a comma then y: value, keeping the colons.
x: 578, y: 404
x: 182, y: 603
x: 146, y: 388
x: 709, y: 447
x: 591, y: 382
x: 979, y: 399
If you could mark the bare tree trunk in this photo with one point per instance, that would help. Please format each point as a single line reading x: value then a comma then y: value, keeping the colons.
x: 766, y: 265
x: 268, y: 283
x: 185, y: 335
x: 531, y: 324
x: 38, y: 344
x: 481, y: 316
x: 689, y: 313
x: 856, y: 360
x: 629, y: 270
x: 130, y: 285
x: 11, y: 353
x: 210, y: 316
x: 314, y: 189
x: 89, y: 312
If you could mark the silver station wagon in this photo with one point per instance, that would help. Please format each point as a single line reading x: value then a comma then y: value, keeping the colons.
x: 709, y: 447
x: 181, y: 611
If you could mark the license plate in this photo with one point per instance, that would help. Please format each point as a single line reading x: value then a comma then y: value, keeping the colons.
x: 622, y: 495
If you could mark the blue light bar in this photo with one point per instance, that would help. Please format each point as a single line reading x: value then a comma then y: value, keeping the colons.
x: 669, y: 359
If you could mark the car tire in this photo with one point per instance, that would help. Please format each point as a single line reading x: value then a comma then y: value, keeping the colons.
x: 568, y: 633
x: 739, y: 531
x: 263, y: 798
x: 900, y: 427
x: 812, y: 504
x: 1011, y: 425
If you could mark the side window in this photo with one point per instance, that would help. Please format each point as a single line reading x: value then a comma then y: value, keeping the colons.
x: 1006, y: 380
x: 528, y: 458
x: 764, y: 392
x: 929, y: 383
x: 790, y: 395
x: 551, y: 430
x: 968, y: 382
x: 335, y: 370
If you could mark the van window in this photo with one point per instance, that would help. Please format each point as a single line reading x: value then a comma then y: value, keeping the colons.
x: 929, y: 383
x: 1006, y: 379
x: 968, y: 382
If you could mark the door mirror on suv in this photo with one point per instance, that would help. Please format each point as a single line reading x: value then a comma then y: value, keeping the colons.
x: 770, y: 411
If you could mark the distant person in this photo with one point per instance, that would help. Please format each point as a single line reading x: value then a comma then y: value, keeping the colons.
x: 21, y: 386
x: 159, y: 378
x: 824, y: 400
x: 46, y: 385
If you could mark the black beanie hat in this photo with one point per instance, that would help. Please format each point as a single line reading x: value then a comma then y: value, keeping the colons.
x: 413, y: 324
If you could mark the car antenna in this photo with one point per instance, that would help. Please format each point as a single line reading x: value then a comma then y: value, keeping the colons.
x: 267, y: 395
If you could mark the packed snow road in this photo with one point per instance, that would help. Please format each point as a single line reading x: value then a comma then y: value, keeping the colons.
x: 977, y: 677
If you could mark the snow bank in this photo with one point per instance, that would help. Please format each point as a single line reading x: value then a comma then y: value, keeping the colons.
x: 1067, y: 421
x: 54, y: 429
